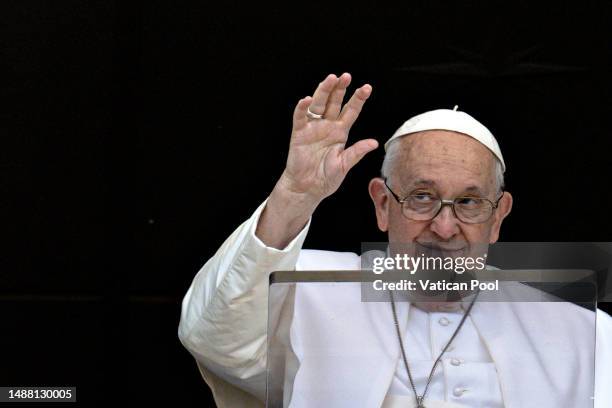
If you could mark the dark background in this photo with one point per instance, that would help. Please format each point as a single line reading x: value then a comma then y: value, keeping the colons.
x: 137, y: 135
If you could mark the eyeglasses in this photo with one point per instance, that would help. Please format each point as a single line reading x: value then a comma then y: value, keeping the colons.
x: 424, y: 206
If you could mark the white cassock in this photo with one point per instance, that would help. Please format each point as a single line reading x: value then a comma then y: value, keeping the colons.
x: 511, y: 354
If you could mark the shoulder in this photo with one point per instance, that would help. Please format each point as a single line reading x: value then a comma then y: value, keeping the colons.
x: 314, y: 259
x: 604, y: 322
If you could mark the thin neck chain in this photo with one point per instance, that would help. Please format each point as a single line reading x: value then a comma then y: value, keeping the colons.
x: 421, y: 398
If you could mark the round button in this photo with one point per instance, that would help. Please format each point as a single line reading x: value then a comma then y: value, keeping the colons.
x: 444, y: 321
x: 458, y: 391
x: 456, y: 362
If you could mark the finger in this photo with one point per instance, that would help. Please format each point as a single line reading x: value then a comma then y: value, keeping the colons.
x: 351, y: 110
x: 321, y: 94
x: 356, y: 152
x: 299, y: 114
x: 334, y: 104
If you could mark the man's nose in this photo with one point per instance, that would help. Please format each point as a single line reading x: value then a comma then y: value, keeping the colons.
x: 445, y: 224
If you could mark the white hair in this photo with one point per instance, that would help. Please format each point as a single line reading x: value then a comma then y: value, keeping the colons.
x: 393, y: 151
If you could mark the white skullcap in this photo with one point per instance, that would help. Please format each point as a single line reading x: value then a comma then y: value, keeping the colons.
x: 454, y: 120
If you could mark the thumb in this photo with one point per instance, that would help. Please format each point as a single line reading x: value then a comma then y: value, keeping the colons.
x: 353, y: 154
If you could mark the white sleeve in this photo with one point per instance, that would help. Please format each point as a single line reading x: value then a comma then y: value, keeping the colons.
x: 603, y: 361
x: 224, y: 313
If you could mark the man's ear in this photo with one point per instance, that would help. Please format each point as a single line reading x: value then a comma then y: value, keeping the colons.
x: 378, y: 193
x: 503, y: 209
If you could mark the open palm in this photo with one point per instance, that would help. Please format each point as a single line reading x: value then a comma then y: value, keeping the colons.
x: 318, y: 159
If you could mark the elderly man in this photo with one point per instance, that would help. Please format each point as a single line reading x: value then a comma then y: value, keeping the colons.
x: 442, y: 188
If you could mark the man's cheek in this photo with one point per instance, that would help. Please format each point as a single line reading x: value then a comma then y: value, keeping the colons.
x: 408, y: 232
x: 477, y: 234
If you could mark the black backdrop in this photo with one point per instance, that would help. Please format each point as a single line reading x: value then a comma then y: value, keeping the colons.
x: 138, y: 135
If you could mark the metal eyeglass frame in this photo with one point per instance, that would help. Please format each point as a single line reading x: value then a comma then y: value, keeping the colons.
x: 451, y: 203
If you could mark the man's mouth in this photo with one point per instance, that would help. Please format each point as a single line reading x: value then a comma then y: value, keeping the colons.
x: 437, y: 247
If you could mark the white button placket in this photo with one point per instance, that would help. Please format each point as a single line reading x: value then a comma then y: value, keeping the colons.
x: 443, y: 326
x: 468, y: 374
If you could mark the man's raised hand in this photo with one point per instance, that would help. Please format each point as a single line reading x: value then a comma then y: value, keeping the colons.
x: 318, y: 159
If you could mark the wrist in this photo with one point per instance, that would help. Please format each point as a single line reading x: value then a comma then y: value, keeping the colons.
x: 285, y: 215
x: 290, y: 197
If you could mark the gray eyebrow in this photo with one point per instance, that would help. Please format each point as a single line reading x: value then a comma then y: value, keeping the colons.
x: 423, y: 181
x: 428, y: 182
x: 475, y: 189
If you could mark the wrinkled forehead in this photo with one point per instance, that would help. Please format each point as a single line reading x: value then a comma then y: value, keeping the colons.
x: 448, y: 160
